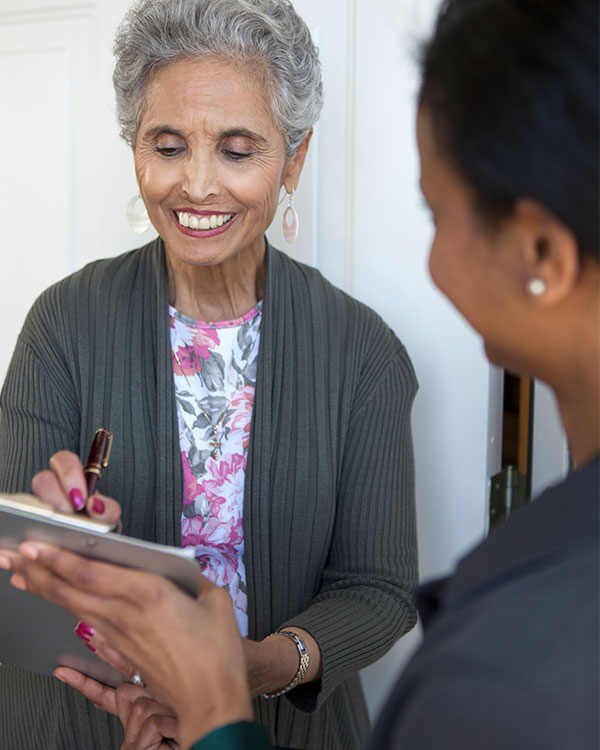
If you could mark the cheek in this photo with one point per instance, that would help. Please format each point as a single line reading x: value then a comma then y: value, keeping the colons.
x: 454, y: 258
x: 156, y: 178
x: 440, y: 265
x: 154, y: 181
x: 259, y: 192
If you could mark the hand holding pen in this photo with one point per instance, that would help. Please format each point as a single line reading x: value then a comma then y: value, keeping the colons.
x: 69, y: 486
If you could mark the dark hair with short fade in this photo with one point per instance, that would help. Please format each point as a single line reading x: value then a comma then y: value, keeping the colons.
x: 512, y: 91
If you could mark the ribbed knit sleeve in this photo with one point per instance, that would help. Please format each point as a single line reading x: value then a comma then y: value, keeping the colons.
x: 39, y: 412
x: 366, y: 600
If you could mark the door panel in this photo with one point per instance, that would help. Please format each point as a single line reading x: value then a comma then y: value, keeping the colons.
x: 45, y: 199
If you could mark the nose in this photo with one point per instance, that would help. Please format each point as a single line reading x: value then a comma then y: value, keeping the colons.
x: 200, y: 177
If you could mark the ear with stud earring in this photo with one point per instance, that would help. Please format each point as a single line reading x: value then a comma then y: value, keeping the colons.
x: 137, y: 215
x: 290, y: 219
x: 536, y: 287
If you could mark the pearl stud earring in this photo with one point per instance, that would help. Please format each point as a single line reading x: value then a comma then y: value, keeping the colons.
x: 536, y: 287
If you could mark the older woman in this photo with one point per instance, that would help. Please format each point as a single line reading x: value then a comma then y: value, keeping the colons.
x: 508, y: 140
x: 259, y: 415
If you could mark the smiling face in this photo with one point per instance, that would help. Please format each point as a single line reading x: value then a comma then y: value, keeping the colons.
x: 210, y: 161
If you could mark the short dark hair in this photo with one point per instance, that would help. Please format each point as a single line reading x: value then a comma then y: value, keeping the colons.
x: 512, y: 91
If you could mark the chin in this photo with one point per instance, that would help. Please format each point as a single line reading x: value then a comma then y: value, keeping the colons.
x: 504, y: 359
x: 494, y: 356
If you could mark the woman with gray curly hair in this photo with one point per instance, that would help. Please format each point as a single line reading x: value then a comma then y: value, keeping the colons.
x: 260, y: 416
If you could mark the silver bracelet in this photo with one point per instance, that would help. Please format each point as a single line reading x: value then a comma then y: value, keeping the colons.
x: 302, y: 666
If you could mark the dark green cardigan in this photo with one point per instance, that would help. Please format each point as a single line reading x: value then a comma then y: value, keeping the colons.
x: 329, y: 520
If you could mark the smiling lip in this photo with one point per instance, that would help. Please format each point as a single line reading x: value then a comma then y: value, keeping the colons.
x: 219, y: 222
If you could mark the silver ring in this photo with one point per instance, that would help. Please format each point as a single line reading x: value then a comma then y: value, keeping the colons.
x: 138, y: 680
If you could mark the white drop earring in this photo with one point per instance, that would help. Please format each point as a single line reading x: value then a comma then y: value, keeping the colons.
x: 137, y: 215
x: 290, y: 220
x: 536, y: 287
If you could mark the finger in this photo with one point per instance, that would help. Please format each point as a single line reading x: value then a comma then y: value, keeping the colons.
x: 17, y: 561
x: 68, y: 469
x: 126, y: 696
x: 101, y: 696
x: 88, y: 576
x: 65, y: 488
x: 18, y: 581
x: 8, y: 559
x: 38, y: 578
x: 158, y: 732
x: 103, y: 508
x: 146, y: 722
x: 205, y: 586
x: 95, y: 640
x: 46, y: 486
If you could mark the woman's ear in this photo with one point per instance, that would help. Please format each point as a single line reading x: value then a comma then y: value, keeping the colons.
x: 549, y: 253
x: 293, y: 168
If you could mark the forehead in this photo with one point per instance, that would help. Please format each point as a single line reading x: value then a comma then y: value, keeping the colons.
x: 427, y: 152
x: 208, y: 93
x: 436, y: 169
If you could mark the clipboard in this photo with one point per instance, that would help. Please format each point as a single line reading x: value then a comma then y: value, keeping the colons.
x: 38, y: 635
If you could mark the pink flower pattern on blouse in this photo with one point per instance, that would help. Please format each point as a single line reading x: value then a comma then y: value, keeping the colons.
x: 218, y: 371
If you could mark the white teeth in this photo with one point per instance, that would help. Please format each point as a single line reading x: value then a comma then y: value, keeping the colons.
x: 193, y: 221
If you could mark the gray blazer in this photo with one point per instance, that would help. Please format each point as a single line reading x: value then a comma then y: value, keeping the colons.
x: 511, y: 658
x: 329, y: 518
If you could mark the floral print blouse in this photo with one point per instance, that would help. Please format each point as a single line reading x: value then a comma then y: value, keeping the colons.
x: 217, y: 372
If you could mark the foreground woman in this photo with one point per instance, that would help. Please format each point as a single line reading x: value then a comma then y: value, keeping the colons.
x: 508, y: 140
x: 260, y: 416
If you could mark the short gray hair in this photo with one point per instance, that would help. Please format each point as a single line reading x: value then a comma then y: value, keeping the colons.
x: 155, y: 33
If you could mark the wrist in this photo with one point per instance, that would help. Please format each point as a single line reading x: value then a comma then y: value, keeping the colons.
x: 271, y: 663
x: 303, y: 656
x: 201, y: 717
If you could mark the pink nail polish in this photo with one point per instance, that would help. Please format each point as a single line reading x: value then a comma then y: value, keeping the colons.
x: 84, y: 631
x: 77, y: 499
x: 98, y: 506
x: 91, y: 648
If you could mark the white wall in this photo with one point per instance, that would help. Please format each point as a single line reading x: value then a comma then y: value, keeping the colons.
x: 367, y: 229
x: 391, y: 238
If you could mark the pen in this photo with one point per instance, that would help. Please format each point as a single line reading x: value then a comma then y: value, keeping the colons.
x: 97, y: 459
